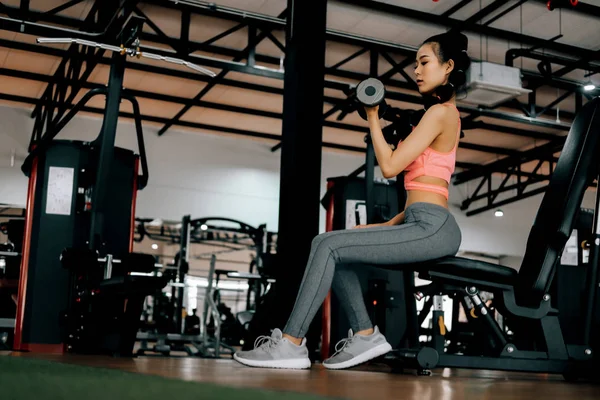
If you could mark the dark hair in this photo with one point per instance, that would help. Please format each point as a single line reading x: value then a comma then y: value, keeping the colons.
x: 451, y: 45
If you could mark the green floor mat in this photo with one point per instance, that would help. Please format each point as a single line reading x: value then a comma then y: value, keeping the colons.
x: 26, y: 378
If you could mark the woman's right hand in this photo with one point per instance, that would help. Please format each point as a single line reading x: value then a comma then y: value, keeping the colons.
x: 372, y: 112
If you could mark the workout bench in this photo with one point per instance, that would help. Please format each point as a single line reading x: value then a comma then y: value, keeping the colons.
x: 534, y: 341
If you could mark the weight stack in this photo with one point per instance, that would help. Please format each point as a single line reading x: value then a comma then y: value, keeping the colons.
x: 61, y: 183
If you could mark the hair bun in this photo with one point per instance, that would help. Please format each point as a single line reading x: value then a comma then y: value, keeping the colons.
x: 461, y: 40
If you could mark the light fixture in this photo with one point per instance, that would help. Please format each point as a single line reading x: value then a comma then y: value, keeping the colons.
x: 154, y: 246
x: 589, y: 87
x: 498, y: 213
x: 204, y: 227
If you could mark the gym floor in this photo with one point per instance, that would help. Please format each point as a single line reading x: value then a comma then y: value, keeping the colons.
x: 375, y: 380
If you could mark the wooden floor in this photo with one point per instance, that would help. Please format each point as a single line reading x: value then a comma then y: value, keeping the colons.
x: 366, y: 382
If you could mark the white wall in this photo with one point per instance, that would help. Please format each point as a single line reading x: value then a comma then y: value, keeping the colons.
x: 207, y: 175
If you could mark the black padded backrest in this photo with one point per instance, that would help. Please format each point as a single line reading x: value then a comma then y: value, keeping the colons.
x: 575, y: 170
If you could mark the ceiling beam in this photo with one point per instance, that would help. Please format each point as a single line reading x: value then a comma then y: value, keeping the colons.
x: 275, y: 73
x: 543, y: 152
x: 187, y: 124
x: 226, y: 107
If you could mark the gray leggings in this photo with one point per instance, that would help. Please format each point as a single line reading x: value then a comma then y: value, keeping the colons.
x: 428, y: 232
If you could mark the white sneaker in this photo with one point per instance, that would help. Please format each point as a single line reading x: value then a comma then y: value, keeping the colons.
x: 357, y: 349
x: 275, y: 352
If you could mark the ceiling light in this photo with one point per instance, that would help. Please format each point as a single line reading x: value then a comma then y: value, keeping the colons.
x: 204, y: 227
x: 154, y: 246
x: 589, y: 87
x: 498, y: 213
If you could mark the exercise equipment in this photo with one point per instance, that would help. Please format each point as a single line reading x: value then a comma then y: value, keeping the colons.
x: 370, y: 93
x: 219, y: 328
x: 531, y: 336
x: 81, y: 199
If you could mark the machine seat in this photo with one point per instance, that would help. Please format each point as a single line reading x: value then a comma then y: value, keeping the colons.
x: 470, y: 269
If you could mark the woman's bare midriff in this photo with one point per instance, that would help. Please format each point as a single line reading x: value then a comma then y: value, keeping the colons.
x: 420, y: 196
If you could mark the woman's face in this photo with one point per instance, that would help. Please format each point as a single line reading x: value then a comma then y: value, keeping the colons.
x: 430, y: 72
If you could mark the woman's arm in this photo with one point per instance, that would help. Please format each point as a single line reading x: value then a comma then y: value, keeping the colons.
x: 392, y: 162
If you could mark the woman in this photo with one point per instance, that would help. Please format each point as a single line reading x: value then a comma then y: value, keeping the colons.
x: 425, y: 230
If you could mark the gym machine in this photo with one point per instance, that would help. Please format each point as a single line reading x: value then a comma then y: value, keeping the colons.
x: 78, y: 291
x: 535, y: 333
x: 10, y: 260
x: 230, y: 234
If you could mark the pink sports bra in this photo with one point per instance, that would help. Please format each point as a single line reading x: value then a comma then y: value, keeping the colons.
x: 432, y: 163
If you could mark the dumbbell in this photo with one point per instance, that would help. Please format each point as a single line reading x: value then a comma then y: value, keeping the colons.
x: 371, y: 93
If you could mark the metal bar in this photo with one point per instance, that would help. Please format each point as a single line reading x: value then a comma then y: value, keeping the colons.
x: 532, y: 105
x: 106, y: 142
x: 24, y: 6
x: 187, y: 124
x: 554, y: 103
x: 577, y: 64
x: 540, y: 152
x: 507, y: 201
x: 348, y: 59
x: 514, y: 53
x: 155, y: 27
x: 500, y: 188
x: 185, y: 32
x: 519, y: 105
x: 251, y: 45
x: 397, y: 67
x: 224, y: 34
x: 219, y: 77
x: 275, y: 41
x: 496, y: 192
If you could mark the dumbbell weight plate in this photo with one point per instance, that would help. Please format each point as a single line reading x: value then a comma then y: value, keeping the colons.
x: 371, y: 93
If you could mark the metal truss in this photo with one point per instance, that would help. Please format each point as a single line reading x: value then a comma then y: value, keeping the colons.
x: 511, y: 167
x: 78, y: 63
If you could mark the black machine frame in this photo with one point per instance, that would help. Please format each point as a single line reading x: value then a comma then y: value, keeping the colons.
x: 99, y: 282
x: 523, y: 299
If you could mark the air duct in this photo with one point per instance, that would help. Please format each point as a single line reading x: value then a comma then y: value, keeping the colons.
x: 489, y: 84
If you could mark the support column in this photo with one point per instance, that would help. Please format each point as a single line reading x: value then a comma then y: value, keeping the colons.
x: 300, y: 182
